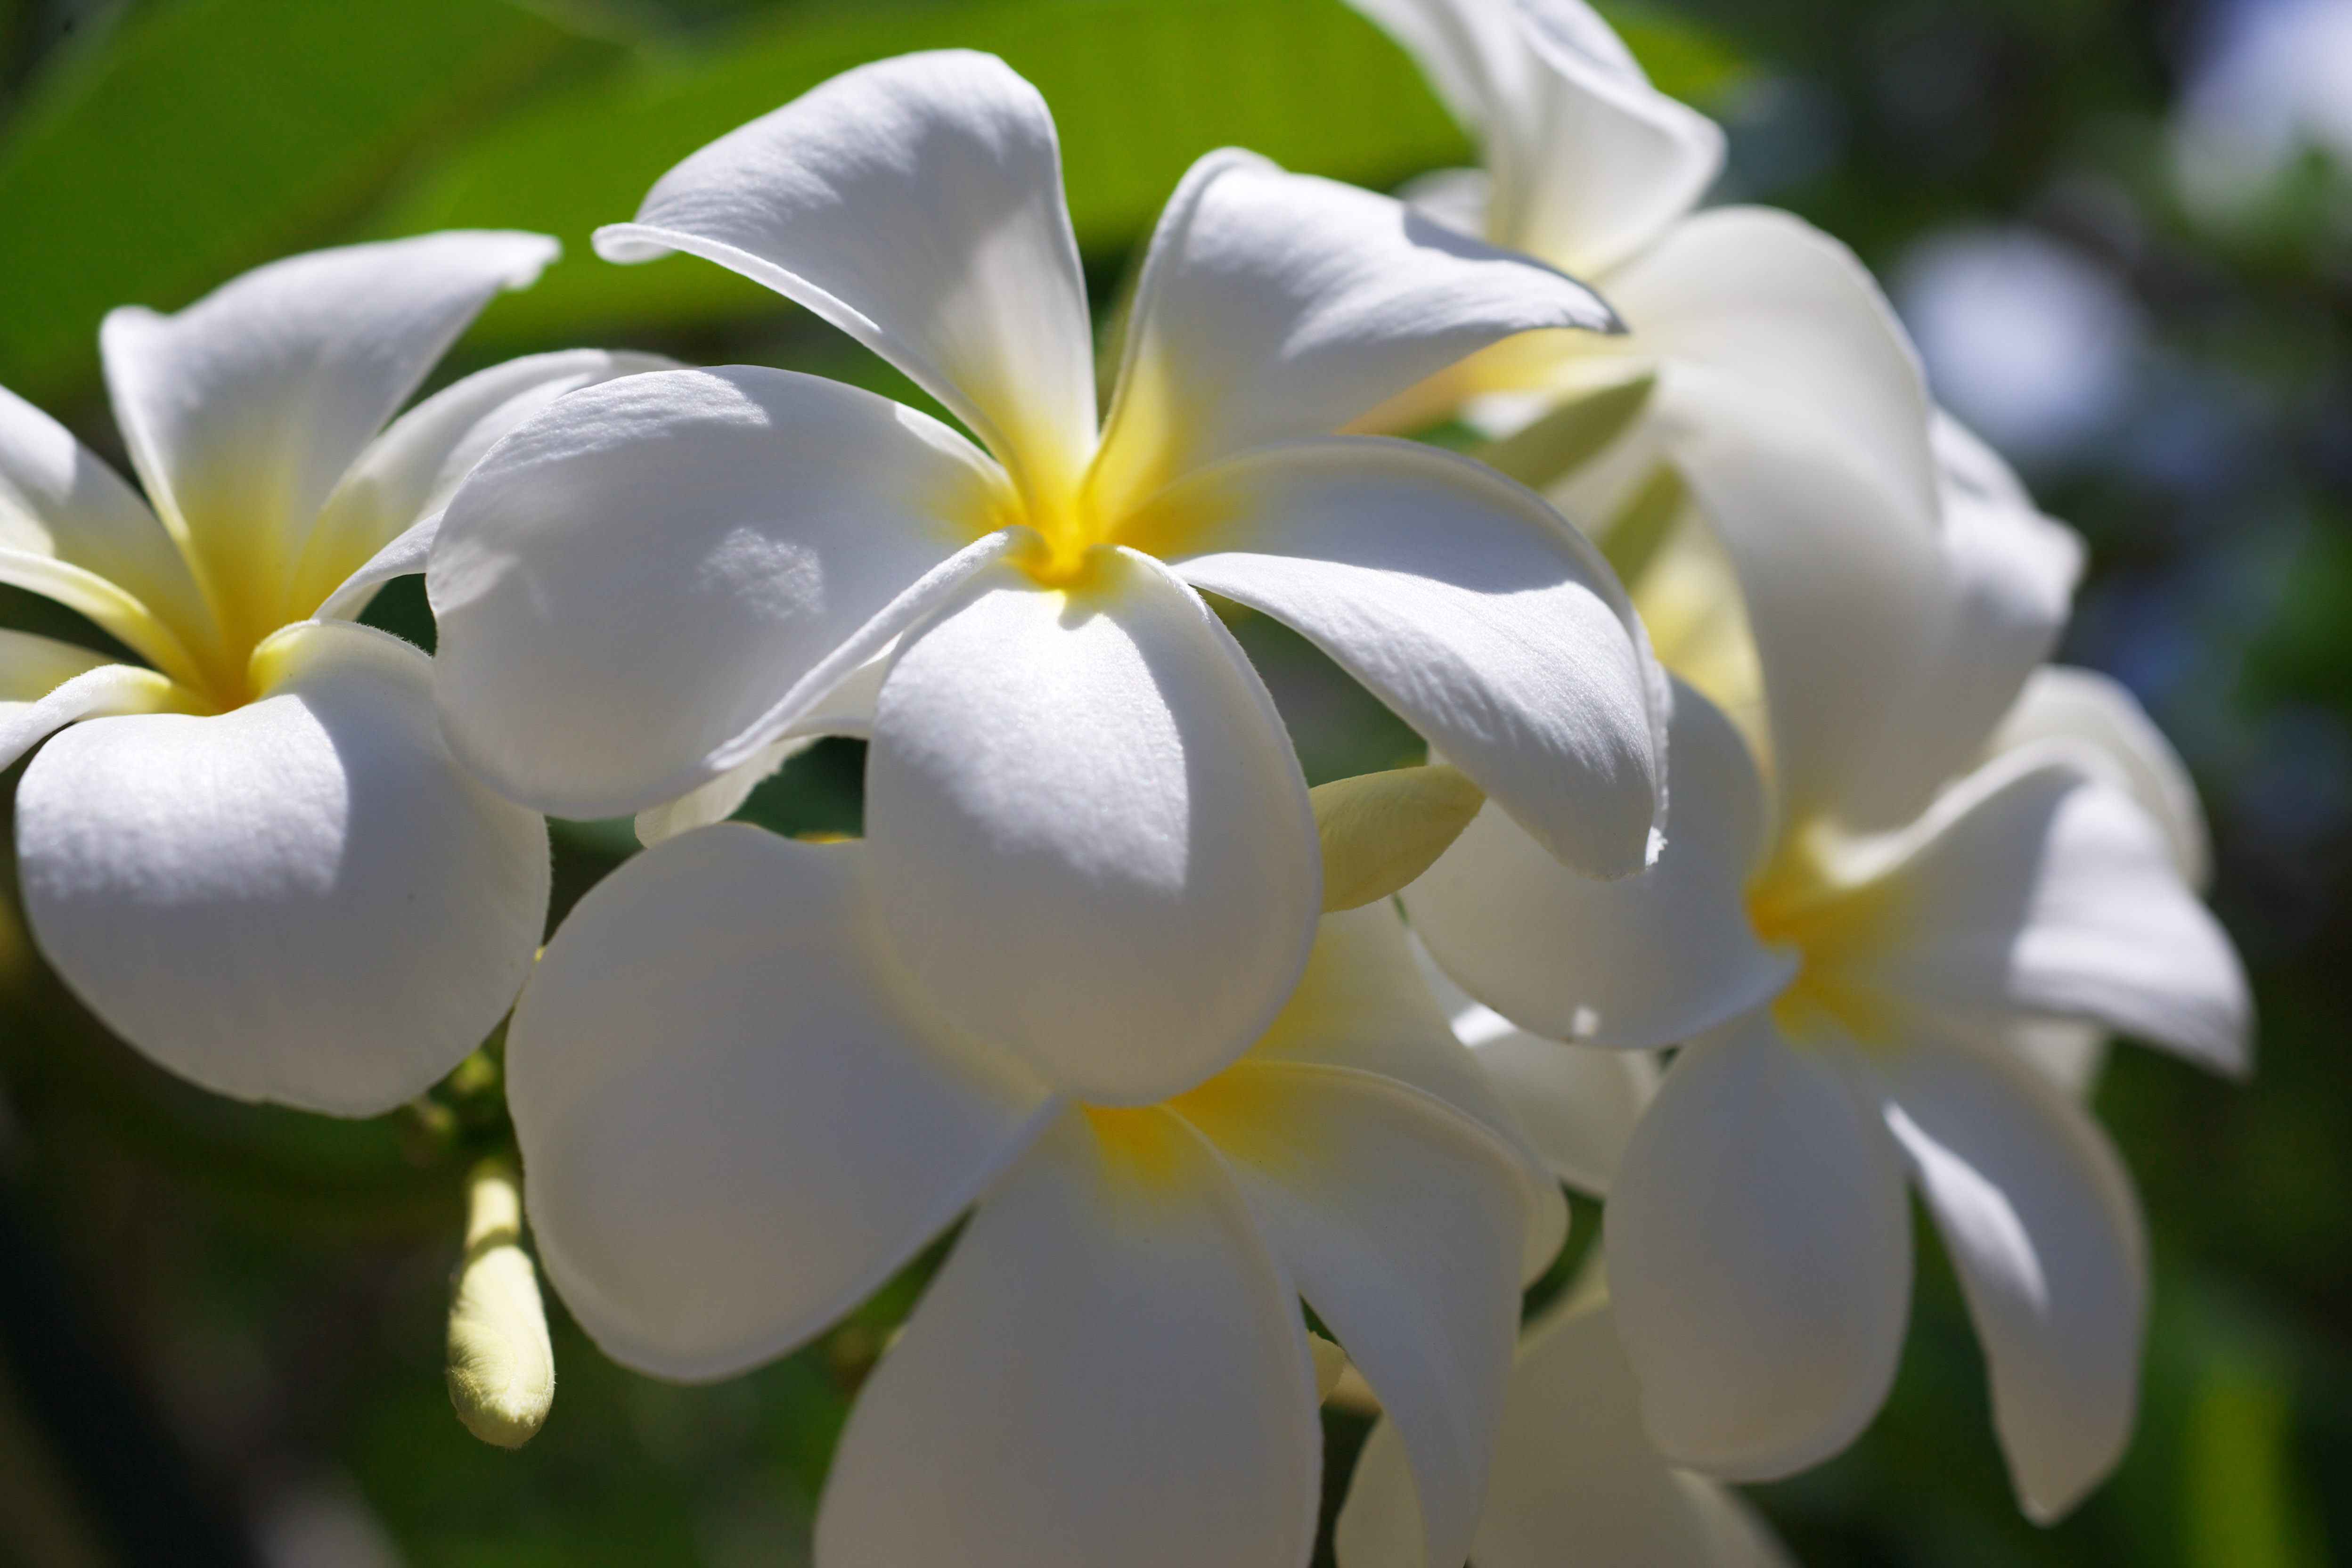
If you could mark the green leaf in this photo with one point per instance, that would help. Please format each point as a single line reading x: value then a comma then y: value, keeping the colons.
x: 208, y: 136
x: 1138, y: 88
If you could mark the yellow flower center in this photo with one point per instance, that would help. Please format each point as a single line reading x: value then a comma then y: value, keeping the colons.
x: 1837, y: 926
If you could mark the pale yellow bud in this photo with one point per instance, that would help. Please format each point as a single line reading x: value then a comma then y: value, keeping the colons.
x: 501, y: 1364
x: 1381, y: 830
x: 1330, y: 1362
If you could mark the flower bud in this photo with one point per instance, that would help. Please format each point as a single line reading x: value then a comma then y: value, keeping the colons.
x: 501, y: 1364
x: 1381, y: 830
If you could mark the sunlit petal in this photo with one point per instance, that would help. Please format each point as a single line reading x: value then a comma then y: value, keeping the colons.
x: 1649, y: 959
x: 2034, y: 887
x: 304, y: 900
x: 46, y: 685
x: 71, y: 529
x: 1463, y: 602
x: 2082, y: 705
x: 1274, y: 305
x: 244, y: 411
x: 1575, y: 1483
x: 1759, y: 1252
x: 409, y: 472
x: 917, y: 204
x: 737, y: 1117
x: 1090, y: 837
x: 1401, y: 1222
x: 655, y: 578
x: 1576, y: 1104
x: 2040, y: 1220
x: 1787, y: 313
x: 1110, y: 1369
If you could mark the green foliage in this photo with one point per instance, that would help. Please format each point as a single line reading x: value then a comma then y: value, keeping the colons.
x: 212, y: 135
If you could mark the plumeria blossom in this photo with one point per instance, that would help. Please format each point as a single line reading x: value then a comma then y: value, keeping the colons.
x: 1857, y: 945
x: 1742, y: 320
x: 740, y: 1115
x: 1089, y: 832
x: 1575, y: 1481
x: 251, y: 854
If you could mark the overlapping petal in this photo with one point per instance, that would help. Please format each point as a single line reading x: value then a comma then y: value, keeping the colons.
x: 244, y: 411
x: 1091, y: 841
x: 1835, y: 579
x: 408, y: 473
x: 915, y: 204
x: 305, y: 900
x: 2038, y: 1214
x: 1650, y: 960
x: 846, y: 710
x: 2035, y: 889
x: 1575, y: 1483
x: 1607, y: 161
x: 737, y: 1117
x: 2004, y: 589
x: 73, y: 531
x: 1463, y: 603
x: 1274, y: 305
x: 46, y: 685
x: 1760, y: 1254
x: 649, y: 582
x: 1111, y: 1368
x: 1402, y: 1221
x: 2061, y: 702
x: 1788, y: 315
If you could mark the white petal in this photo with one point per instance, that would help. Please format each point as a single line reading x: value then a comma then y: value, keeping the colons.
x: 915, y: 204
x: 244, y: 411
x: 1837, y: 580
x: 847, y: 710
x: 1466, y: 604
x: 2005, y: 588
x: 409, y: 472
x: 737, y: 1115
x: 2062, y: 702
x: 1759, y: 1252
x: 1579, y: 1104
x: 31, y: 666
x: 1401, y: 1222
x: 1603, y: 161
x: 1274, y: 305
x: 1091, y: 841
x: 1366, y: 1004
x: 2035, y: 889
x: 1110, y: 1369
x: 1649, y: 959
x: 1787, y: 313
x: 304, y: 900
x: 73, y: 531
x: 94, y: 689
x: 2040, y: 1219
x: 1576, y: 1483
x: 655, y: 578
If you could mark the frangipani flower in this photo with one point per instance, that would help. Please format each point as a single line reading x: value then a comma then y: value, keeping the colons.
x: 1741, y: 320
x: 1088, y: 833
x: 1852, y: 957
x: 1575, y: 1483
x: 740, y: 1115
x: 252, y: 855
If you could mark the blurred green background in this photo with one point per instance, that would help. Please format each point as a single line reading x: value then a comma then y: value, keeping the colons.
x: 2123, y: 232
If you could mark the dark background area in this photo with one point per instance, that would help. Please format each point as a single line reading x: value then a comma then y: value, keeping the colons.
x: 220, y: 1325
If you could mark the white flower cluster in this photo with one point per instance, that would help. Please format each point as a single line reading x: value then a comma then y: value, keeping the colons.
x: 1104, y: 979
